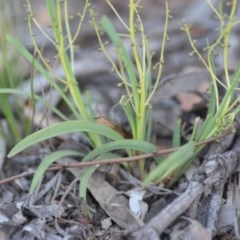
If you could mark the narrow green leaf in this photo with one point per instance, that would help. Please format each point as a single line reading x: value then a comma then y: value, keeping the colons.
x: 123, y: 54
x: 35, y: 97
x: 64, y: 128
x: 171, y: 163
x: 46, y: 162
x: 228, y: 96
x: 20, y: 48
x: 176, y: 142
x: 104, y: 153
x: 208, y: 128
x: 128, y: 111
x: 84, y: 182
x: 213, y: 89
x: 52, y: 10
x: 27, y: 55
x: 124, y: 144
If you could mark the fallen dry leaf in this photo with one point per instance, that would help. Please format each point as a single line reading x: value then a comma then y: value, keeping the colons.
x: 113, y: 203
x: 104, y: 121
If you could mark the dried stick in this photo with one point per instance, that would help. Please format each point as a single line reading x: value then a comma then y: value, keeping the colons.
x: 214, y: 171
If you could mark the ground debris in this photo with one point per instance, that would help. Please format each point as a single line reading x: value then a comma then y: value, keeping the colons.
x: 209, y: 199
x: 209, y: 179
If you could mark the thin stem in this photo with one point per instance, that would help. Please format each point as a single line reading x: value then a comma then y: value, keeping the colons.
x: 118, y: 16
x: 161, y: 59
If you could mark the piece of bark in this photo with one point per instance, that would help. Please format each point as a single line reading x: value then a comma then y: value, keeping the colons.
x: 113, y: 203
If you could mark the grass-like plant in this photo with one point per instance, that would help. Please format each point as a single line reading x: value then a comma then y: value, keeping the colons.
x: 135, y: 76
x: 11, y: 75
x: 221, y: 113
x: 63, y: 41
x: 134, y: 69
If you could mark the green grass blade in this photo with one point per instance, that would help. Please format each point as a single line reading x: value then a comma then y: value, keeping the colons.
x: 228, y: 97
x: 124, y: 144
x: 129, y: 113
x: 171, y: 163
x: 84, y: 182
x: 212, y: 102
x: 149, y: 118
x: 64, y: 128
x: 213, y: 122
x: 6, y: 109
x: 122, y: 53
x: 103, y: 152
x: 35, y: 97
x: 52, y: 10
x: 88, y: 173
x: 213, y: 89
x: 176, y: 140
x: 46, y: 162
x: 20, y: 48
x: 208, y: 128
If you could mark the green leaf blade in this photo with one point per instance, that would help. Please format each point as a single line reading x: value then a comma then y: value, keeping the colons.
x: 64, y: 128
x: 172, y: 163
x: 46, y: 162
